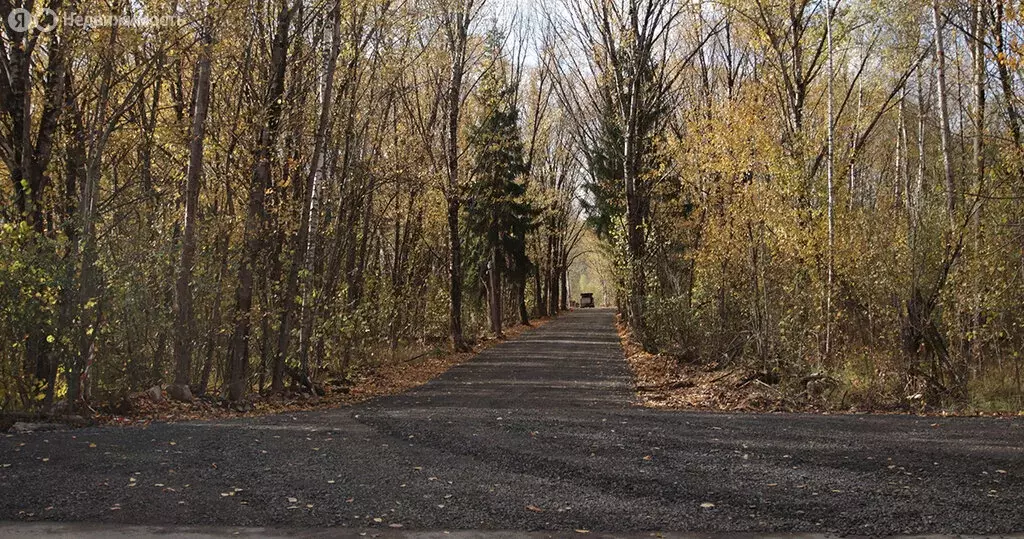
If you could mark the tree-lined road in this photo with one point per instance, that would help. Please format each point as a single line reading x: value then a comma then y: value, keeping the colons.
x: 538, y: 433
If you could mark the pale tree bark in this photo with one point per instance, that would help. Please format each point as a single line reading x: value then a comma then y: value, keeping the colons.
x: 340, y: 258
x: 829, y: 180
x: 918, y: 194
x: 980, y: 75
x: 303, y: 257
x: 551, y: 275
x: 915, y: 196
x: 942, y: 96
x: 901, y: 185
x: 494, y: 292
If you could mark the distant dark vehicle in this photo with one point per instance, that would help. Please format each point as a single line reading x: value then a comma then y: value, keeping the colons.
x: 586, y: 300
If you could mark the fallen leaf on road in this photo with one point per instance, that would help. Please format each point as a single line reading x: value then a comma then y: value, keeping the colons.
x: 534, y: 508
x: 647, y: 457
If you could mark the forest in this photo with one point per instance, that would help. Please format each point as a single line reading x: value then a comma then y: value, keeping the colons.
x: 238, y: 198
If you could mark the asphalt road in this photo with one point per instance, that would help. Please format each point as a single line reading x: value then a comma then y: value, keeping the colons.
x: 539, y: 433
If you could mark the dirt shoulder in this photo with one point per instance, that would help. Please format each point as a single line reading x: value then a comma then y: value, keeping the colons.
x: 388, y: 378
x: 663, y: 381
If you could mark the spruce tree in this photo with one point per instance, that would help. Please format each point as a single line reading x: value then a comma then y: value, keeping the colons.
x: 498, y: 213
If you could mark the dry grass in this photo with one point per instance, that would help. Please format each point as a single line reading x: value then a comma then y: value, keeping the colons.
x: 663, y: 381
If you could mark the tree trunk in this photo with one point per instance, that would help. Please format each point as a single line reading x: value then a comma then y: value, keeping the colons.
x: 563, y: 275
x: 89, y: 286
x: 301, y: 258
x: 918, y: 192
x: 1005, y: 77
x: 524, y: 315
x: 90, y: 142
x: 458, y: 36
x: 212, y: 339
x: 455, y: 276
x: 494, y: 293
x: 830, y: 187
x: 538, y: 293
x: 184, y: 319
x: 238, y: 365
x: 75, y: 176
x: 551, y: 283
x: 28, y: 159
x: 636, y: 276
x: 940, y: 67
x: 980, y: 75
